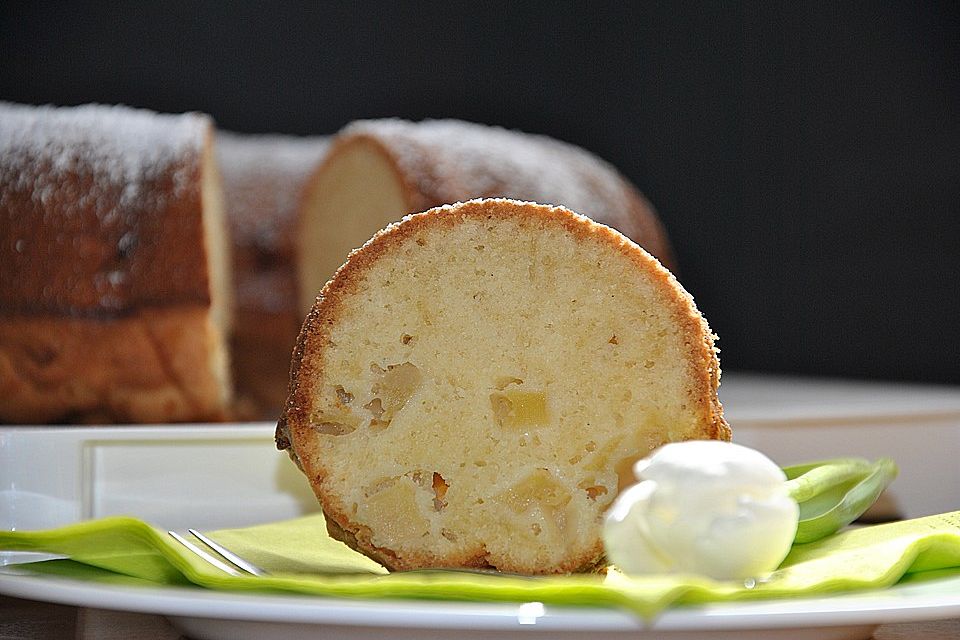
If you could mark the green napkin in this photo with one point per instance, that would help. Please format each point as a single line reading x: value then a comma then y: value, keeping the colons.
x: 302, y: 558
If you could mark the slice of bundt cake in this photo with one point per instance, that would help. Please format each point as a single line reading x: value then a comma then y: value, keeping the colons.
x: 380, y: 170
x: 115, y: 296
x: 473, y: 385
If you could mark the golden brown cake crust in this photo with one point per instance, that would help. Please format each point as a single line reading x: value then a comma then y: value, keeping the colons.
x: 94, y: 228
x: 141, y: 367
x: 307, y: 370
x: 106, y: 283
x: 446, y: 161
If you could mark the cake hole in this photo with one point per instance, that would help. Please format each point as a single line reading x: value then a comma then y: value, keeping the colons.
x: 334, y: 423
x: 375, y: 407
x: 613, y: 339
x: 536, y: 529
x: 406, y: 338
x: 595, y: 491
x: 449, y: 535
x: 440, y: 487
x: 334, y: 428
x: 343, y: 396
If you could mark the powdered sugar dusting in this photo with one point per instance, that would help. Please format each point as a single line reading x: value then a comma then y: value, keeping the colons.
x: 500, y: 162
x: 97, y: 206
x: 263, y: 178
x: 451, y: 161
x: 121, y: 147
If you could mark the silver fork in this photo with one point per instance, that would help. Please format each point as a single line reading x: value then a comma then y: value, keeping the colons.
x: 235, y: 562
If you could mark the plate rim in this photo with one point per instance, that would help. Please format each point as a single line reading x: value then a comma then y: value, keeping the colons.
x: 872, y: 607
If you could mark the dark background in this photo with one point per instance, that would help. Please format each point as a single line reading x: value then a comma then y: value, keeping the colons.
x: 803, y: 158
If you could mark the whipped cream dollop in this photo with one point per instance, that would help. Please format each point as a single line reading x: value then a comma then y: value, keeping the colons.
x: 706, y: 507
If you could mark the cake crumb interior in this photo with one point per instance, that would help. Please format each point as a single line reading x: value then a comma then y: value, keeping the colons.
x: 496, y: 392
x: 357, y: 193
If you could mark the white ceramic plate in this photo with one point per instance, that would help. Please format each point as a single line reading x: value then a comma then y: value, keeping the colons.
x: 206, y: 615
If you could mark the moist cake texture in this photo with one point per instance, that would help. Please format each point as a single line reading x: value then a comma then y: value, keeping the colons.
x: 472, y: 387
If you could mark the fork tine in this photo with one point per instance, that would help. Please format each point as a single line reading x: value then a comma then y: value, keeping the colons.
x: 217, y: 562
x: 246, y: 565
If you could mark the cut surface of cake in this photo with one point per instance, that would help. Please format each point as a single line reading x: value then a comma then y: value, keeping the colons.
x: 264, y: 177
x: 474, y: 384
x: 114, y: 274
x: 379, y: 170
